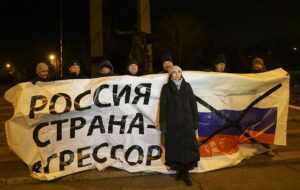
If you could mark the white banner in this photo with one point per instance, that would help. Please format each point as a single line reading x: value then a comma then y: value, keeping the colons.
x: 67, y: 126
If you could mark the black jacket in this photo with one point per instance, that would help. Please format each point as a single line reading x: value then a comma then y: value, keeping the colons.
x: 36, y: 79
x: 74, y: 76
x: 179, y: 119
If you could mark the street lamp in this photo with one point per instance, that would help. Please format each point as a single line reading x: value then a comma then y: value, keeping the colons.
x: 7, y: 66
x: 54, y: 63
x: 52, y: 57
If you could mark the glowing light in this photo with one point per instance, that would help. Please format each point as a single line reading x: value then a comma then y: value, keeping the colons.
x: 52, y: 57
x: 8, y: 65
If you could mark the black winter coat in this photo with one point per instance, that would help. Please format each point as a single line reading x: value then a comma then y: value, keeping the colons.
x: 74, y: 76
x: 179, y: 119
x: 37, y: 78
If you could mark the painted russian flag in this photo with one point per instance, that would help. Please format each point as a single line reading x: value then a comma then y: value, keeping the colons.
x: 220, y: 137
x: 241, y: 109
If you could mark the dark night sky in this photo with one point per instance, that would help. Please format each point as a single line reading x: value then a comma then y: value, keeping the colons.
x: 244, y: 21
x: 30, y: 28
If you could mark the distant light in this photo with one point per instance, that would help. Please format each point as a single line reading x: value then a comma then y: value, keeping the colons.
x: 8, y: 65
x: 51, y: 57
x: 295, y: 48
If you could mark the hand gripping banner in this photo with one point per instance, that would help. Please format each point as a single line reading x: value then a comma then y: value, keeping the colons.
x: 62, y: 127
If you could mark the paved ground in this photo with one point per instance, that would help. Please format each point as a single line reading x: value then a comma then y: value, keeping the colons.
x: 270, y: 177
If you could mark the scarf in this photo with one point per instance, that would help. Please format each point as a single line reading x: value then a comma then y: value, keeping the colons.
x: 178, y: 83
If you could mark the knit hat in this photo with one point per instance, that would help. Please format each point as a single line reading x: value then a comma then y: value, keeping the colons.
x: 219, y: 59
x: 174, y: 68
x: 41, y: 67
x: 131, y: 61
x: 258, y: 60
x: 166, y: 57
x: 74, y: 62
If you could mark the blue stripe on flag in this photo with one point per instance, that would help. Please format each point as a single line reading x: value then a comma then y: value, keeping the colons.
x: 256, y: 119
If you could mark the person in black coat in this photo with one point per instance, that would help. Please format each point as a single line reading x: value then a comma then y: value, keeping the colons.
x: 106, y: 69
x: 42, y: 73
x: 258, y: 65
x: 219, y: 63
x: 167, y: 62
x: 178, y: 122
x: 74, y: 71
x: 133, y: 68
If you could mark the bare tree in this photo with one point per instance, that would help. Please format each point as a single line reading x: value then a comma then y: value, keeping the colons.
x: 182, y: 35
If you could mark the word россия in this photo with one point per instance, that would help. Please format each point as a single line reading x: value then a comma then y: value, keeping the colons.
x: 132, y: 96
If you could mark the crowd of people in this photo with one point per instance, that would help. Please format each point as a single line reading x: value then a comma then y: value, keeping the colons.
x: 133, y: 68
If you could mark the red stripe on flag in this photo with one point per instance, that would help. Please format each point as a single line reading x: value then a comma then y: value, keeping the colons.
x: 219, y: 145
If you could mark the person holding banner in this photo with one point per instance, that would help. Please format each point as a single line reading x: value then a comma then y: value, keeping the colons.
x: 219, y: 63
x: 74, y: 71
x: 179, y: 122
x: 42, y: 73
x: 258, y: 65
x: 133, y: 68
x: 106, y: 69
x: 167, y: 62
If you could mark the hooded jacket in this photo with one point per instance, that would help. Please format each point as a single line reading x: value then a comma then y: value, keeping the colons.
x: 106, y: 63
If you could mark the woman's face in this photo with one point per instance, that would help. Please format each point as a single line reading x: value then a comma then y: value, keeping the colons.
x: 176, y: 75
